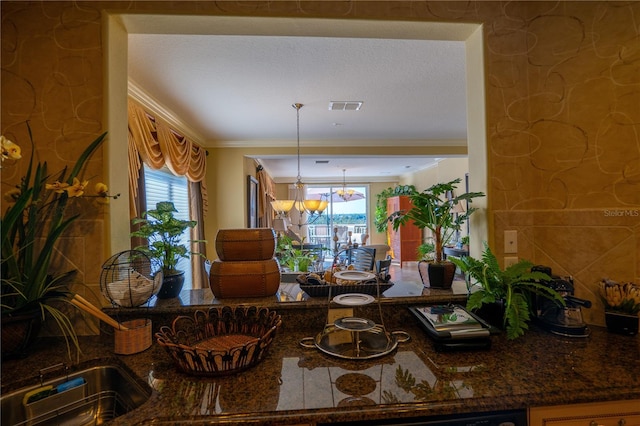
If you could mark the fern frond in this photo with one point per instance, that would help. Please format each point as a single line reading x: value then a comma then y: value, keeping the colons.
x: 404, y: 379
x: 517, y: 316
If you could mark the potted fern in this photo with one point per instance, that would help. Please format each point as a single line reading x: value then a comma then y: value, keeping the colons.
x: 503, y: 297
x: 436, y: 209
x: 163, y: 232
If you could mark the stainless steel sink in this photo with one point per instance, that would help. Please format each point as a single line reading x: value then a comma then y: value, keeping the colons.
x: 108, y: 392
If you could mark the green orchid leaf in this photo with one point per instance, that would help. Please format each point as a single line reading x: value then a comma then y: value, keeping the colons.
x: 30, y: 230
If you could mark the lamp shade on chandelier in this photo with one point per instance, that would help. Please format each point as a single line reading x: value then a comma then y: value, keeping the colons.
x: 313, y: 208
x: 344, y: 193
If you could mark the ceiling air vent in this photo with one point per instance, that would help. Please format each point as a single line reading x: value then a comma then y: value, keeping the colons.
x: 345, y: 105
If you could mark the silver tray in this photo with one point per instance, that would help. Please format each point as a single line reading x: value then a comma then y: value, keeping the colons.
x: 347, y: 344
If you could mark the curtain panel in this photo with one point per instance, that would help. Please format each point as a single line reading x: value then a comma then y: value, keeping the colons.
x: 267, y: 191
x: 154, y: 143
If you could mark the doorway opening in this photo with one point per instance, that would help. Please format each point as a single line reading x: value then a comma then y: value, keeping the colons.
x: 346, y: 220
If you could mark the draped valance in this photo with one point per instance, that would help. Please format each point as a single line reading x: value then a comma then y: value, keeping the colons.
x: 152, y: 140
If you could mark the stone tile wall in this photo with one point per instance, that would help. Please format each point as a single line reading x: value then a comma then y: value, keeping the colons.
x: 562, y: 99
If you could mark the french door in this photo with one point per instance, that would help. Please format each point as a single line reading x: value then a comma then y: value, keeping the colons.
x: 345, y: 218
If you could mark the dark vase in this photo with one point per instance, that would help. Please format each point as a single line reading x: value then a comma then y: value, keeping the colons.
x: 171, y: 286
x: 19, y: 330
x: 437, y: 275
x: 619, y: 323
x: 492, y: 313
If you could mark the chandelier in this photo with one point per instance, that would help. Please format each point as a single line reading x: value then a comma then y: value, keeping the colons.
x: 311, y: 208
x: 344, y: 193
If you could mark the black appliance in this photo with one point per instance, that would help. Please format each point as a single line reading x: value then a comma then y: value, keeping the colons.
x: 552, y: 316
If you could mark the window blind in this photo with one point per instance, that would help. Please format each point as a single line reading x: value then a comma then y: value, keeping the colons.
x: 162, y: 185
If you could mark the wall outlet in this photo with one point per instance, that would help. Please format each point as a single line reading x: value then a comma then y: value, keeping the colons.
x: 511, y: 241
x: 510, y: 260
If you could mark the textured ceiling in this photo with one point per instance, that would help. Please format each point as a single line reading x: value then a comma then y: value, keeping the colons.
x: 237, y: 90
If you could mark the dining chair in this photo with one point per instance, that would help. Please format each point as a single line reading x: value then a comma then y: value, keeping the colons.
x: 361, y: 258
x: 382, y: 269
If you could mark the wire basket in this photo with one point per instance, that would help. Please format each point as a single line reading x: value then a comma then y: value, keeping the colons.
x: 128, y: 279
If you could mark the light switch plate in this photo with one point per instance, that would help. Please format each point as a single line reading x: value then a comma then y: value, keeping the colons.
x: 511, y: 241
x: 510, y: 260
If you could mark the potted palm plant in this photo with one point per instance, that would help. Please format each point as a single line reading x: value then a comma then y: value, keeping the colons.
x: 163, y: 232
x: 436, y: 209
x: 503, y: 297
x: 35, y: 217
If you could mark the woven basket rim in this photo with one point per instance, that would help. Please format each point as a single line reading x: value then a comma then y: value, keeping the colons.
x: 213, y: 362
x: 269, y: 329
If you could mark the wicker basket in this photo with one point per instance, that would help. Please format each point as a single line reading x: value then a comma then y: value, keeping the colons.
x: 245, y: 244
x: 322, y: 290
x: 134, y: 340
x: 221, y: 340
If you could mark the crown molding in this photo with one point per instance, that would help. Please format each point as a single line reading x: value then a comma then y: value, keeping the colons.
x: 154, y: 107
x: 273, y: 143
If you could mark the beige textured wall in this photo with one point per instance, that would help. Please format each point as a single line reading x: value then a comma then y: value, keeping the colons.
x: 562, y: 99
x: 446, y: 170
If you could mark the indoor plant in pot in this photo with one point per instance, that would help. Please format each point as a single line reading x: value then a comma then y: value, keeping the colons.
x: 163, y: 232
x: 35, y: 216
x: 381, y: 220
x: 293, y: 256
x: 436, y: 209
x: 621, y: 306
x: 503, y: 296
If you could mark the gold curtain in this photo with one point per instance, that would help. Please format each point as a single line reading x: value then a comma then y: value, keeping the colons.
x: 135, y: 165
x: 156, y: 144
x: 197, y: 235
x: 266, y: 191
x: 142, y: 129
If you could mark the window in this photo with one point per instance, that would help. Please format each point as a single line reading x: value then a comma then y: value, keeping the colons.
x: 162, y: 185
x: 346, y: 216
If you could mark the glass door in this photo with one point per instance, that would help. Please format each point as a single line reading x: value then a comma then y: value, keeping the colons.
x: 345, y: 217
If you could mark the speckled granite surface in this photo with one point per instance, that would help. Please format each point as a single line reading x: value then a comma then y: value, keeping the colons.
x: 294, y: 384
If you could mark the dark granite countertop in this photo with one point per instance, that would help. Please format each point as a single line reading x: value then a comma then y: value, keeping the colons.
x: 297, y: 385
x: 290, y: 296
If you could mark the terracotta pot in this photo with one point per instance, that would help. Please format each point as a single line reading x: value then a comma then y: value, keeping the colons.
x: 246, y: 244
x: 171, y: 286
x: 19, y: 330
x: 437, y: 275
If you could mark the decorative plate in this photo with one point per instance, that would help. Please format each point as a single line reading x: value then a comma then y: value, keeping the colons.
x: 354, y: 275
x: 353, y: 299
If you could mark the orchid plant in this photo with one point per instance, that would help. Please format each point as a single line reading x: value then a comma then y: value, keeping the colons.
x: 35, y: 218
